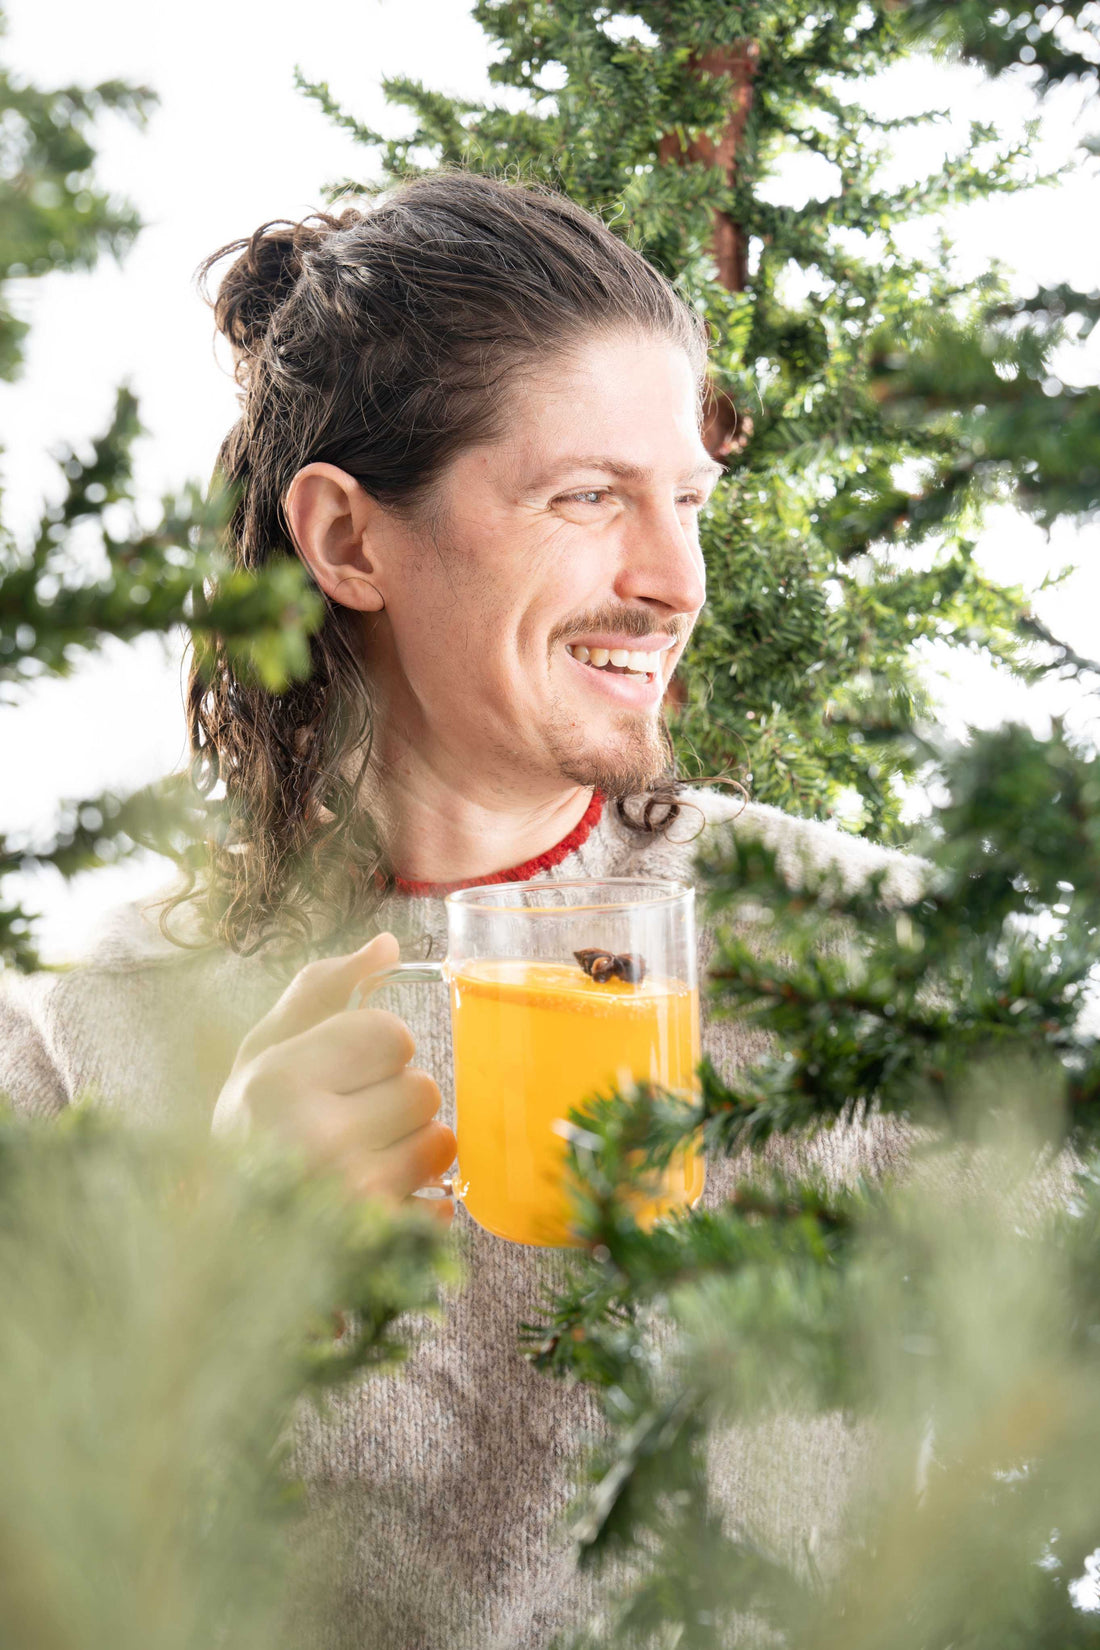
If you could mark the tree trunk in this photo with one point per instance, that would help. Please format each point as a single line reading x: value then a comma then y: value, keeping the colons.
x: 723, y: 432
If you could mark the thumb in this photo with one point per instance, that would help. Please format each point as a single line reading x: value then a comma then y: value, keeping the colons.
x: 321, y: 989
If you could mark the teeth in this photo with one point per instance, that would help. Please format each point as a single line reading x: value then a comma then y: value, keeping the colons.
x: 641, y: 664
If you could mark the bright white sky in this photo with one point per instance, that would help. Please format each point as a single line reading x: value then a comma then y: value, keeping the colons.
x: 232, y: 145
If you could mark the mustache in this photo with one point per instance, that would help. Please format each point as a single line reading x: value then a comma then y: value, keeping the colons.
x: 626, y: 622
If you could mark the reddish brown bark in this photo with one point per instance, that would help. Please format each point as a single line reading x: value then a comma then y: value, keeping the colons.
x: 723, y: 433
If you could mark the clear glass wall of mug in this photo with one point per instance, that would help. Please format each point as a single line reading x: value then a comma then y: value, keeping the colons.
x: 560, y: 990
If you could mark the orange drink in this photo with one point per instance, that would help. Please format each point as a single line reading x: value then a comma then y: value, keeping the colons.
x: 532, y: 1041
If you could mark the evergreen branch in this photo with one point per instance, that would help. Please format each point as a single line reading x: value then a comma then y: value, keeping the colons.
x: 167, y: 818
x: 1055, y: 304
x: 157, y: 580
x: 318, y: 92
x: 150, y: 1273
x: 995, y: 37
x: 1068, y: 658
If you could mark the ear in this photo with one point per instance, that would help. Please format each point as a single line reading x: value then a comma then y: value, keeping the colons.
x: 333, y: 522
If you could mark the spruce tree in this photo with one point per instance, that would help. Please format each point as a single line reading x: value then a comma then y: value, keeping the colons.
x: 843, y: 535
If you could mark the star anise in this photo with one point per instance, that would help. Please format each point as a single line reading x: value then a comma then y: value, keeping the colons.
x: 628, y: 966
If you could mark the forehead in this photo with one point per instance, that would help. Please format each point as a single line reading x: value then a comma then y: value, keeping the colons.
x: 631, y: 399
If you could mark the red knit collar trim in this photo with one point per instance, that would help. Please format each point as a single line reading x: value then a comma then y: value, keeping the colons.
x: 516, y: 873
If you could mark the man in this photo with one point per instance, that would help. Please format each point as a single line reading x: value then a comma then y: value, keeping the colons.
x: 473, y: 413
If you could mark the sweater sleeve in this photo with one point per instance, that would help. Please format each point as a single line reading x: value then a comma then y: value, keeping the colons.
x: 30, y: 1080
x: 139, y: 1028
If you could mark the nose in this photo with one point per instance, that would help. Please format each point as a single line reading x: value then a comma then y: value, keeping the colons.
x: 661, y: 561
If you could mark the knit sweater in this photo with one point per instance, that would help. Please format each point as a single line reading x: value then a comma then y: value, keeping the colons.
x: 444, y: 1484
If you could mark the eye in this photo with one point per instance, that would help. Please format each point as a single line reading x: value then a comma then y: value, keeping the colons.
x: 590, y: 495
x: 597, y: 495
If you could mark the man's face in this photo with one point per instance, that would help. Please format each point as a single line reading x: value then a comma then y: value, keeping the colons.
x: 577, y: 529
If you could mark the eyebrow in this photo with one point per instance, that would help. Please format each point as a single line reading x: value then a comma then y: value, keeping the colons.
x: 616, y: 467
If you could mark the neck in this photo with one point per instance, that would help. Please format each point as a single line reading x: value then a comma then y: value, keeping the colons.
x: 448, y: 811
x: 436, y: 833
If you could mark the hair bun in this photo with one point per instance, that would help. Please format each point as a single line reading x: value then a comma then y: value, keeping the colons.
x: 263, y: 276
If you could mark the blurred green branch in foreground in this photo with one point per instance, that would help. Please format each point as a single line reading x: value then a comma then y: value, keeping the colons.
x: 920, y: 1365
x: 168, y: 1303
x: 917, y: 1355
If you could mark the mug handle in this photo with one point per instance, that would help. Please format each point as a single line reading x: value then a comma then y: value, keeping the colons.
x: 414, y: 973
x: 411, y: 973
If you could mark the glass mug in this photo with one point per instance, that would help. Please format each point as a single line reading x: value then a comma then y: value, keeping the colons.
x: 536, y: 1029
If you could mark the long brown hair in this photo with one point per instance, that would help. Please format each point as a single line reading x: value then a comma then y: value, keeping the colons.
x: 380, y: 341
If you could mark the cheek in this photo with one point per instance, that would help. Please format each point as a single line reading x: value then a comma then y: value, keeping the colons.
x: 440, y: 609
x: 474, y: 618
x: 459, y: 652
x: 572, y: 578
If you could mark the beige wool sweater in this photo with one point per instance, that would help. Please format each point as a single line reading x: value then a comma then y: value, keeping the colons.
x: 444, y: 1485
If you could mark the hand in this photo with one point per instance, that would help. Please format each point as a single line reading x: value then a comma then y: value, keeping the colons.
x: 337, y: 1083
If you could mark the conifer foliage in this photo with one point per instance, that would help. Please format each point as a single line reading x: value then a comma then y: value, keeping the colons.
x: 935, y: 1326
x: 167, y: 1305
x: 90, y: 570
x: 942, y: 1326
x: 992, y: 376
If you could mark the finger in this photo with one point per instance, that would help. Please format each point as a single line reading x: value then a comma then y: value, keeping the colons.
x: 393, y: 1108
x: 397, y: 1171
x: 320, y: 989
x: 333, y: 1126
x: 346, y: 1053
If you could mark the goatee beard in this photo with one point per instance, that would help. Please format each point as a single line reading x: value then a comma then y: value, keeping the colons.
x: 639, y: 764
